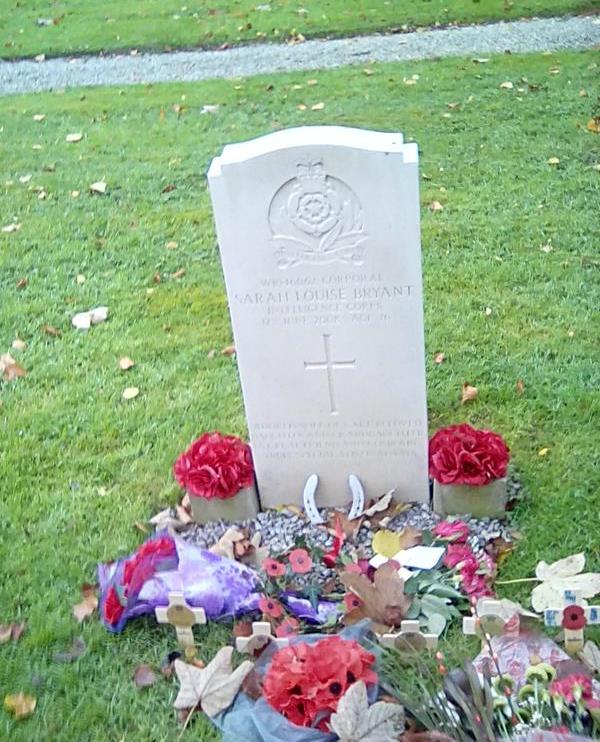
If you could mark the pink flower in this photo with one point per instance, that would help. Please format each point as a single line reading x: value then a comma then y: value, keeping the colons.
x: 351, y: 601
x: 571, y: 685
x: 270, y: 607
x: 456, y: 530
x: 457, y: 553
x: 273, y: 568
x: 300, y: 561
x: 286, y: 628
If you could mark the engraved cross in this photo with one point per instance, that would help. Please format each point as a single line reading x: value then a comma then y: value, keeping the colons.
x: 330, y: 366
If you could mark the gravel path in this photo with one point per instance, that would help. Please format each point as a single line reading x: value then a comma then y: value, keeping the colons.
x: 581, y: 32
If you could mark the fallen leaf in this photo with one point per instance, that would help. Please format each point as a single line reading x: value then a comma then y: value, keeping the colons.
x: 131, y: 392
x: 439, y: 358
x: 225, y: 546
x: 383, y: 600
x: 317, y: 107
x: 40, y: 57
x: 594, y: 125
x: 76, y: 651
x: 144, y: 676
x: 39, y: 117
x: 14, y: 227
x: 76, y: 137
x: 22, y: 283
x: 380, y: 505
x: 126, y: 363
x: 543, y: 452
x: 590, y: 656
x: 349, y: 527
x: 168, y: 188
x: 213, y: 687
x: 98, y: 187
x: 167, y: 666
x: 553, y: 161
x: 11, y: 631
x: 520, y: 386
x: 50, y: 330
x: 84, y: 320
x: 25, y: 178
x: 252, y: 685
x: 389, y: 543
x: 20, y: 705
x: 10, y: 369
x: 178, y: 274
x: 565, y: 574
x: 312, y: 82
x: 229, y: 350
x: 436, y: 206
x: 87, y: 606
x: 507, y: 85
x: 171, y: 245
x: 480, y: 60
x: 468, y: 393
x: 356, y: 721
x: 546, y: 248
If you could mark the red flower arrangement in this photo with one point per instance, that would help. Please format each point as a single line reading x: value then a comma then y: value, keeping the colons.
x: 306, y: 681
x: 460, y: 454
x: 572, y: 688
x: 215, y: 465
x: 154, y: 555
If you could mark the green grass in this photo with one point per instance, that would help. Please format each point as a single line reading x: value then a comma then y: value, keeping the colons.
x: 82, y: 26
x: 79, y: 465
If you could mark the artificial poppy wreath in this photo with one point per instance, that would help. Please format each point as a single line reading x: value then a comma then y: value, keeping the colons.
x: 305, y: 682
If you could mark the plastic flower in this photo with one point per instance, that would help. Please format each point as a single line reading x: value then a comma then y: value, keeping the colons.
x: 286, y: 628
x: 270, y: 607
x: 456, y: 530
x: 273, y: 568
x: 457, y: 553
x: 572, y: 688
x: 300, y: 561
x: 573, y: 617
x: 460, y: 454
x: 112, y: 609
x: 542, y: 672
x: 351, y: 601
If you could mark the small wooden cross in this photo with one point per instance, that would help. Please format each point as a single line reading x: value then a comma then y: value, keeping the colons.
x: 260, y: 637
x: 492, y: 619
x: 410, y: 636
x: 573, y: 618
x: 182, y: 616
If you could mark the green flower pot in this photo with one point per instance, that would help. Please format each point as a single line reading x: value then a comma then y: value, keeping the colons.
x: 242, y: 506
x: 485, y: 501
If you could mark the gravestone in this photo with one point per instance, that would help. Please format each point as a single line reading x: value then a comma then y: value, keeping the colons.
x: 318, y: 229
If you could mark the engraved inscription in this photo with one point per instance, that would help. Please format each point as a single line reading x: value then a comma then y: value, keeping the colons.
x: 329, y: 365
x: 316, y: 219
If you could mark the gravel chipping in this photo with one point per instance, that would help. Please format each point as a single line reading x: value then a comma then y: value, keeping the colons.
x: 281, y: 529
x: 547, y: 34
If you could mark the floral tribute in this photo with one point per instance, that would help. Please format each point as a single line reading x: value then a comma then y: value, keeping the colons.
x: 157, y: 554
x: 305, y: 682
x: 475, y: 574
x: 461, y: 454
x: 215, y: 465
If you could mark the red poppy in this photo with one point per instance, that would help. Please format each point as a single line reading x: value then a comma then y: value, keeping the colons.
x: 273, y: 568
x: 270, y: 607
x: 286, y: 628
x: 300, y: 561
x: 573, y: 617
x: 351, y: 601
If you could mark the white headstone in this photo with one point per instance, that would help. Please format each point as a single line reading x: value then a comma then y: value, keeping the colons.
x: 319, y: 235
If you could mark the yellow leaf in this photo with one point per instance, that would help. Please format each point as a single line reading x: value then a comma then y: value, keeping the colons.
x: 131, y: 392
x: 126, y: 363
x: 39, y: 116
x: 98, y: 187
x: 507, y: 85
x: 543, y: 451
x: 553, y: 161
x: 386, y: 543
x: 594, y: 125
x: 20, y: 705
x: 75, y: 137
x: 318, y: 107
x: 436, y: 206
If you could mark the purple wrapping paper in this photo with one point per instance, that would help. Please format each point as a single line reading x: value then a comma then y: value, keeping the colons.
x: 223, y: 587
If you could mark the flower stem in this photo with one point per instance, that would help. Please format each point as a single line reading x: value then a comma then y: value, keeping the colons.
x: 514, y: 582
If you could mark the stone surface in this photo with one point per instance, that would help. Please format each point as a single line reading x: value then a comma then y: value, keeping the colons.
x: 319, y: 235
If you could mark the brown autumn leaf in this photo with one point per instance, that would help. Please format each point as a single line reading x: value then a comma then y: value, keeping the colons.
x: 20, y: 705
x: 126, y: 363
x: 252, y: 685
x: 594, y: 125
x: 436, y: 206
x: 468, y: 393
x: 11, y: 631
x: 383, y: 600
x: 499, y: 549
x: 50, y: 330
x: 168, y: 188
x: 9, y: 368
x: 167, y: 666
x: 178, y: 274
x: 144, y: 676
x: 88, y: 605
x: 349, y: 527
x: 439, y: 358
x: 228, y: 350
x: 22, y: 283
x: 520, y: 386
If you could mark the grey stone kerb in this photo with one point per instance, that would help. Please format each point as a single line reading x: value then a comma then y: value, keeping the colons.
x: 581, y: 32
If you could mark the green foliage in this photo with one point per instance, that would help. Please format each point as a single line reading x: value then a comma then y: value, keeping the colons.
x: 79, y: 465
x: 29, y: 27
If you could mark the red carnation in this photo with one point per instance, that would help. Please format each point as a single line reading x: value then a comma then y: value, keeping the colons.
x: 460, y: 454
x: 215, y: 465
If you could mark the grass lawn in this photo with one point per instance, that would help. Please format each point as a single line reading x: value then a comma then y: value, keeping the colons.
x: 30, y: 27
x: 80, y: 466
